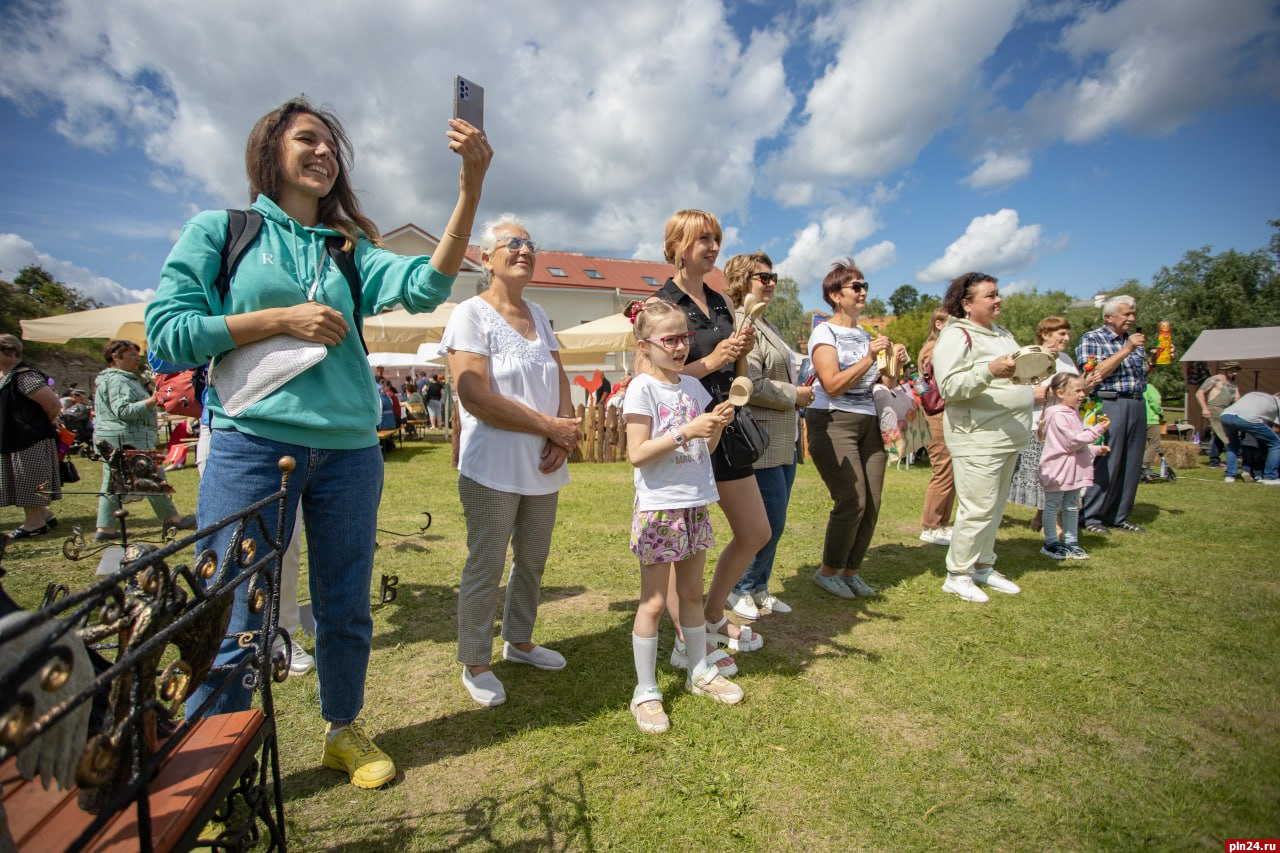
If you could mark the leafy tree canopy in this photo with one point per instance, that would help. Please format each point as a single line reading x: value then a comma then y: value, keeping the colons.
x: 35, y: 293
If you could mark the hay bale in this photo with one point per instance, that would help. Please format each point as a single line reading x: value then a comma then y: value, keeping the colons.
x: 1181, y: 455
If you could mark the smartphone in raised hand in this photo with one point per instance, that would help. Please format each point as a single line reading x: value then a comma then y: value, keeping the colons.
x: 468, y: 101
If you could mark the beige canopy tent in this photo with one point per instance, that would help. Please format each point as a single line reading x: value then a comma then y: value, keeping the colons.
x: 400, y: 331
x: 606, y: 335
x: 1257, y: 350
x: 116, y: 321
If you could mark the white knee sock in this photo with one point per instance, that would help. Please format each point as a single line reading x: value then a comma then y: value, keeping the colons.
x: 695, y: 646
x: 644, y: 650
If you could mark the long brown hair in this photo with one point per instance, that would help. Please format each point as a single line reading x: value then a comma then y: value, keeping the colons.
x: 340, y: 209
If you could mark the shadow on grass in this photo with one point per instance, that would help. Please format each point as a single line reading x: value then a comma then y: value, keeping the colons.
x: 551, y: 815
x: 430, y: 612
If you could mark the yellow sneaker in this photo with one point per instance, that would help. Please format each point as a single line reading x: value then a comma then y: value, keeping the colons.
x: 356, y: 753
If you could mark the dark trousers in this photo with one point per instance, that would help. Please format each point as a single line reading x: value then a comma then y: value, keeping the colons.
x: 1115, y: 476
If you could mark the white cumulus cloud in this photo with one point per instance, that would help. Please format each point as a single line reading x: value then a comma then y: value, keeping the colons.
x: 835, y: 235
x: 996, y: 244
x: 16, y: 253
x: 998, y: 169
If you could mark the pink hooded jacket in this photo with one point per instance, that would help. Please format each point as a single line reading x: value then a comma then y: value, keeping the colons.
x: 1067, y: 461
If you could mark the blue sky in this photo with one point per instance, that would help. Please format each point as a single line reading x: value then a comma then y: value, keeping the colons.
x: 1058, y: 145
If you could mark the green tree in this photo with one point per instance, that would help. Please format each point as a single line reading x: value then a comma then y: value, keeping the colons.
x: 787, y: 312
x: 35, y: 293
x: 875, y: 308
x: 904, y: 300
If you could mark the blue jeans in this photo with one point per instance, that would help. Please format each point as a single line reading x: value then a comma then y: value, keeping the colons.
x: 1068, y: 505
x: 339, y: 491
x: 1235, y: 427
x: 775, y: 489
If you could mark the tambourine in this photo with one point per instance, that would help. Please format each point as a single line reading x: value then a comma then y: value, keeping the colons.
x: 1032, y: 365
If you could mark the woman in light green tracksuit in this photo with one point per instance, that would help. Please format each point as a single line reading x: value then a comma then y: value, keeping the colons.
x: 986, y: 422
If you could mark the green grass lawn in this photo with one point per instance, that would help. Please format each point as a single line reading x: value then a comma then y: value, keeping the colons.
x: 1128, y: 702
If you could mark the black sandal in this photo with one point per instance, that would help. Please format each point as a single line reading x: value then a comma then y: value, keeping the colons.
x: 24, y: 533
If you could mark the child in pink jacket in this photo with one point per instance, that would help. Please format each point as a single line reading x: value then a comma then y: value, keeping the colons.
x: 1066, y: 466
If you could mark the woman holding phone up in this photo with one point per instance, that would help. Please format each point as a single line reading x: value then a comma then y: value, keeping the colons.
x: 298, y: 162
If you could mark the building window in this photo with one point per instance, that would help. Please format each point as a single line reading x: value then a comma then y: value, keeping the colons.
x: 557, y: 272
x: 650, y: 279
x: 593, y: 274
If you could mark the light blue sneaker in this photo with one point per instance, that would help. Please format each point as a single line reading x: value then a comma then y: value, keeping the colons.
x: 858, y: 586
x: 833, y: 584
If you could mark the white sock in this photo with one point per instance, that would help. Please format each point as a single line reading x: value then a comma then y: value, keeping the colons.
x: 334, y: 731
x: 695, y: 646
x: 644, y: 650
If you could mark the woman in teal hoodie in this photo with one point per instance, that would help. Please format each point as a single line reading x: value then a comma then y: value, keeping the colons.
x: 297, y: 159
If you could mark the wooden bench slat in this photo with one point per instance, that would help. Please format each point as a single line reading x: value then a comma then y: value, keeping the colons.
x: 50, y: 820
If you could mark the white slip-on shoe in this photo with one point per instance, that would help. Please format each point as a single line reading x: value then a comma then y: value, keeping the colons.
x: 963, y: 586
x: 935, y: 536
x: 858, y: 586
x: 485, y: 688
x: 541, y: 657
x: 833, y: 585
x: 993, y: 579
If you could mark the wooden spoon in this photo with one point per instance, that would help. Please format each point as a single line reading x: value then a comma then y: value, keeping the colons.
x: 740, y: 391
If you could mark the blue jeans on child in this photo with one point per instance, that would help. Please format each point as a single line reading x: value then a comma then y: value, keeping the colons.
x: 339, y: 491
x: 1066, y: 504
x: 775, y: 490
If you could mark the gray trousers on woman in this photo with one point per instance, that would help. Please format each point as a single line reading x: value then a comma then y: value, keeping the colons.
x: 494, y: 520
x: 848, y: 451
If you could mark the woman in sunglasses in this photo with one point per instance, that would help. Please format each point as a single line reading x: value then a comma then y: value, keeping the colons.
x: 691, y: 243
x: 518, y: 430
x: 775, y: 396
x: 844, y: 432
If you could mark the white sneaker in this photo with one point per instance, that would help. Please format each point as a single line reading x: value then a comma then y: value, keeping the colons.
x: 541, y: 657
x: 744, y: 606
x: 995, y: 580
x: 936, y: 536
x: 963, y: 586
x: 767, y: 603
x: 1271, y: 482
x: 1228, y: 479
x: 302, y: 662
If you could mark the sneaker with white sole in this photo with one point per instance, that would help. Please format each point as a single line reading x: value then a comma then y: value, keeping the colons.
x: 833, y: 585
x: 300, y: 662
x: 993, y: 579
x: 936, y: 536
x: 714, y: 686
x: 1228, y: 479
x: 767, y: 602
x: 646, y: 707
x: 1075, y: 552
x: 726, y: 665
x: 858, y: 586
x: 353, y: 751
x: 963, y: 586
x: 1271, y: 482
x: 744, y: 605
x: 1056, y: 551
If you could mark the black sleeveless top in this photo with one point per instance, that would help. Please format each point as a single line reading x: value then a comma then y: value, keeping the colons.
x: 705, y: 332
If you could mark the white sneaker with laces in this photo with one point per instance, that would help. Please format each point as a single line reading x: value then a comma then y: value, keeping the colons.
x: 302, y: 662
x: 767, y: 602
x: 963, y: 586
x: 936, y: 536
x: 744, y: 606
x: 993, y: 579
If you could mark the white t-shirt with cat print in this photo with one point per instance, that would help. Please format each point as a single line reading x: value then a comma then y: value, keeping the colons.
x: 684, y: 478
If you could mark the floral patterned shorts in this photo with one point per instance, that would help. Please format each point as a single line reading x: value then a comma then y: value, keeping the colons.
x: 670, y: 535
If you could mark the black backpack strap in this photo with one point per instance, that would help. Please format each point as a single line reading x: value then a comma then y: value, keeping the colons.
x: 242, y: 229
x: 346, y: 262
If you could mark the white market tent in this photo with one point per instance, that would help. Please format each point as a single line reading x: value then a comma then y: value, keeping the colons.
x: 1257, y: 350
x: 400, y: 331
x: 606, y: 335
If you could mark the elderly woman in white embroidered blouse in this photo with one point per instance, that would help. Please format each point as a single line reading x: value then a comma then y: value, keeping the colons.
x: 517, y: 433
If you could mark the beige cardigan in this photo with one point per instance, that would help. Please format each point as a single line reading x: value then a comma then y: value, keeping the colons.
x: 773, y: 394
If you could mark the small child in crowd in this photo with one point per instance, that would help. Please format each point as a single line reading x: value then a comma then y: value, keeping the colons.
x: 1066, y: 466
x: 669, y: 441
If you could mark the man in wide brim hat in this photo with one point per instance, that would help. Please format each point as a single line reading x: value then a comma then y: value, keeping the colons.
x: 1214, y: 395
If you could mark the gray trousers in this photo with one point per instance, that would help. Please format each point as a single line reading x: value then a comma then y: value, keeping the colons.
x: 494, y: 520
x: 1115, y: 476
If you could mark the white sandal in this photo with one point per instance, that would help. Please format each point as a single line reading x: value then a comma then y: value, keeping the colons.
x: 746, y: 641
x: 680, y: 659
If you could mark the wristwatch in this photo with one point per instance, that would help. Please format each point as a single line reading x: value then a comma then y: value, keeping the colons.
x: 680, y: 438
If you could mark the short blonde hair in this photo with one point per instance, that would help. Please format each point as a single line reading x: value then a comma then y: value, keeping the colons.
x: 683, y: 230
x: 737, y: 274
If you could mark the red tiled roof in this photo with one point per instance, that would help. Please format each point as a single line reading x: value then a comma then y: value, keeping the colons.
x: 615, y: 273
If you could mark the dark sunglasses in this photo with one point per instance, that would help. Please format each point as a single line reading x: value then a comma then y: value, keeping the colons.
x: 765, y: 277
x: 855, y: 286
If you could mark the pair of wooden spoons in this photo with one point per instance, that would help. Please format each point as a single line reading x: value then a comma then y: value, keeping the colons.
x: 740, y: 390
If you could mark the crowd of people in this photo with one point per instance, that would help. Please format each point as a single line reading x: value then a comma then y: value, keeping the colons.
x: 689, y: 427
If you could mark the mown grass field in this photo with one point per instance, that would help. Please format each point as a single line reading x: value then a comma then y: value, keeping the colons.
x: 1128, y: 702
